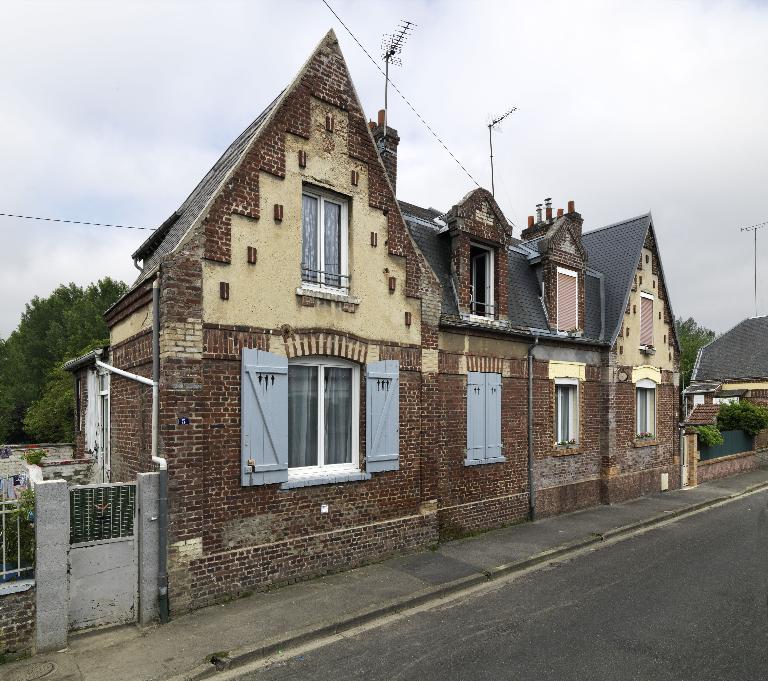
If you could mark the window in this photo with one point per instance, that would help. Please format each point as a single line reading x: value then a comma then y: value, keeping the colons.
x: 104, y: 427
x: 483, y: 418
x: 323, y: 399
x: 566, y: 411
x: 324, y: 240
x: 567, y: 300
x: 698, y: 398
x: 481, y: 274
x: 646, y: 319
x: 646, y: 408
x: 725, y: 400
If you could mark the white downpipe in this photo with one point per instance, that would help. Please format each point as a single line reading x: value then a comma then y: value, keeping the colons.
x: 125, y: 374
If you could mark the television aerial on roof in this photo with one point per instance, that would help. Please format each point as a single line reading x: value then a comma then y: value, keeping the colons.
x: 495, y: 124
x: 391, y: 48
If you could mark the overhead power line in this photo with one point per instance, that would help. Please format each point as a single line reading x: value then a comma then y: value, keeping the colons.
x: 402, y: 96
x: 72, y: 222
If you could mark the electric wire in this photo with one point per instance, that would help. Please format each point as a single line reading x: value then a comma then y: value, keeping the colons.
x: 72, y: 222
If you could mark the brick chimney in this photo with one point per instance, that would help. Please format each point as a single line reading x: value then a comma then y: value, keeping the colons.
x: 387, y: 146
x: 538, y: 226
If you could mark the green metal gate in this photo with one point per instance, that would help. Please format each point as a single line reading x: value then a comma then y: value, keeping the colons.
x: 734, y: 442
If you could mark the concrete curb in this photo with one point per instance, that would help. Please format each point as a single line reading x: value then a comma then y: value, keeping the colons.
x: 244, y: 656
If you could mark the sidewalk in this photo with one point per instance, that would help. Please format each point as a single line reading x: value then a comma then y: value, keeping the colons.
x: 266, y: 622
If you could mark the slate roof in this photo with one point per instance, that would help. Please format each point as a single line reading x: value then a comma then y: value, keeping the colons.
x: 741, y: 352
x: 615, y: 251
x: 166, y: 237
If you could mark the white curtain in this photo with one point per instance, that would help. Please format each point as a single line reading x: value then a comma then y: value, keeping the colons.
x: 93, y: 423
x: 338, y: 415
x: 309, y: 259
x: 332, y: 243
x: 302, y: 416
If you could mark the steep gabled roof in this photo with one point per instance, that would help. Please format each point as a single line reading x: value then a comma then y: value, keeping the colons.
x: 615, y: 251
x: 166, y: 237
x: 741, y: 352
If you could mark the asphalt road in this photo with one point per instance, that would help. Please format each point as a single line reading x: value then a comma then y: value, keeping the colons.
x: 684, y: 601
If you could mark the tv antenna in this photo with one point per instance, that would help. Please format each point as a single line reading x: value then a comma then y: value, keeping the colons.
x: 754, y: 228
x: 391, y: 48
x: 494, y: 125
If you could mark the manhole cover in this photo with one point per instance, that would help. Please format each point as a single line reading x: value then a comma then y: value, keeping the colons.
x: 36, y: 670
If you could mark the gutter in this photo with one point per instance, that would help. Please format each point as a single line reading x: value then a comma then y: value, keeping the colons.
x: 531, y: 482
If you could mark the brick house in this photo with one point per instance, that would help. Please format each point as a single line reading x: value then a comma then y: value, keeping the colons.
x: 344, y: 376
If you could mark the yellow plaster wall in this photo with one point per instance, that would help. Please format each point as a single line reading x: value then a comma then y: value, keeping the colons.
x: 264, y: 294
x: 749, y: 385
x: 559, y: 369
x: 631, y: 343
x: 140, y: 320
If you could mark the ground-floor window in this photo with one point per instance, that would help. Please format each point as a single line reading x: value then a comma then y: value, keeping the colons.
x: 646, y: 408
x: 323, y: 411
x: 566, y: 411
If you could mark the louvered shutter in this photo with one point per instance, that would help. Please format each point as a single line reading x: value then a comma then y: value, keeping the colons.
x: 382, y: 416
x: 646, y: 321
x: 493, y: 416
x: 264, y: 418
x: 567, y: 301
x: 475, y: 416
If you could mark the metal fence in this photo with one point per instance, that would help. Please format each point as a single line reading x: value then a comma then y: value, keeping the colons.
x: 101, y: 512
x: 17, y: 537
x: 734, y: 442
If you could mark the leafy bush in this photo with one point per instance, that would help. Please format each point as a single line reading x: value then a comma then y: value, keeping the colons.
x: 745, y: 416
x: 709, y: 436
x: 34, y: 456
x: 25, y: 513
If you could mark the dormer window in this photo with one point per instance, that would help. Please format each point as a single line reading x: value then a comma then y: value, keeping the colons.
x: 324, y: 240
x: 481, y: 261
x: 567, y: 300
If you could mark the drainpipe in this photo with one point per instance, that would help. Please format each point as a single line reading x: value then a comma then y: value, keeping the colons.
x: 531, y: 485
x: 162, y: 502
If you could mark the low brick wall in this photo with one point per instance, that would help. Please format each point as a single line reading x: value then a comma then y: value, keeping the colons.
x: 722, y: 467
x: 17, y: 622
x: 567, y: 498
x: 478, y: 516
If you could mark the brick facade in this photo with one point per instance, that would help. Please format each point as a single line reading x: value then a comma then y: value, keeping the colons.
x: 17, y: 624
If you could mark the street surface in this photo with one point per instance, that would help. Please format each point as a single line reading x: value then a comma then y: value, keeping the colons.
x: 684, y: 601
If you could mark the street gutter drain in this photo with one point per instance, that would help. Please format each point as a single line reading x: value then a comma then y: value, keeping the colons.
x: 221, y: 661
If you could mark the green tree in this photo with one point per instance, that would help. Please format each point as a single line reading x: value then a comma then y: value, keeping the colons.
x: 692, y: 337
x: 51, y: 330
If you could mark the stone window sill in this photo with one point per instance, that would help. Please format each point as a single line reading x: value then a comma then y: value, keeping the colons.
x: 646, y: 443
x: 563, y: 450
x: 319, y: 476
x: 480, y: 462
x: 327, y: 294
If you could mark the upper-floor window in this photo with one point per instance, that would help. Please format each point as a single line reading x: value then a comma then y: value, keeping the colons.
x: 567, y: 300
x: 646, y: 319
x: 482, y: 302
x: 324, y: 240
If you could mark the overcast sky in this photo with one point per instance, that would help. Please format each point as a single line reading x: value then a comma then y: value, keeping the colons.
x: 111, y: 111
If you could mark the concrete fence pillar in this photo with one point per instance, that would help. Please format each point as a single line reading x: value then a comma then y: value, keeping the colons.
x: 52, y: 547
x: 147, y: 494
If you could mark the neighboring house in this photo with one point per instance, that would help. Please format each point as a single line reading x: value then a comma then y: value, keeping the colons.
x: 344, y: 377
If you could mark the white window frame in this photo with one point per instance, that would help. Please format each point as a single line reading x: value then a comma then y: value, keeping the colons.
x: 698, y: 398
x: 646, y: 384
x: 105, y: 424
x: 575, y: 275
x: 322, y: 362
x: 322, y: 197
x: 649, y: 296
x: 490, y: 304
x: 573, y: 420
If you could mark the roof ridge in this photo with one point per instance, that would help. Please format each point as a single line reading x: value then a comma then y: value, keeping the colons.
x: 616, y: 224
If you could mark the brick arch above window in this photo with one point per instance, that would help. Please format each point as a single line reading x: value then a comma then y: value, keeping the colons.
x: 305, y: 343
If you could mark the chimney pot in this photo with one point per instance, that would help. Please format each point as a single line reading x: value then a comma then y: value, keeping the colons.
x: 549, y: 213
x: 559, y: 212
x: 571, y: 207
x: 381, y: 116
x: 531, y: 221
x: 538, y: 212
x: 371, y: 125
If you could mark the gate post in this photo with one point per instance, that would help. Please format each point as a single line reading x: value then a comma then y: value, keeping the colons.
x: 147, y: 495
x: 52, y: 582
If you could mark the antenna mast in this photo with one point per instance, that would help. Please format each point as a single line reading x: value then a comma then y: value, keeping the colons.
x: 754, y: 229
x: 493, y: 124
x: 391, y: 47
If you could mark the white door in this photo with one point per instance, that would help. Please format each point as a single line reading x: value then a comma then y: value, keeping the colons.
x: 684, y: 467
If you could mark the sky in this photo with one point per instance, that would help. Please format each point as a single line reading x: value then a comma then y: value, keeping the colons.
x: 112, y: 111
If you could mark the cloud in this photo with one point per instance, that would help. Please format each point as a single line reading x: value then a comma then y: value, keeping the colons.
x: 113, y: 111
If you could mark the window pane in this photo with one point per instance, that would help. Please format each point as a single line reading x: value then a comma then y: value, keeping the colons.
x: 309, y: 252
x: 302, y: 416
x: 332, y: 243
x: 338, y: 415
x: 651, y: 406
x: 642, y: 410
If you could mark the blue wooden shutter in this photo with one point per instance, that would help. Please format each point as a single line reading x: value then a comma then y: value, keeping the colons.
x: 264, y: 418
x: 382, y: 416
x: 475, y: 416
x: 493, y: 416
